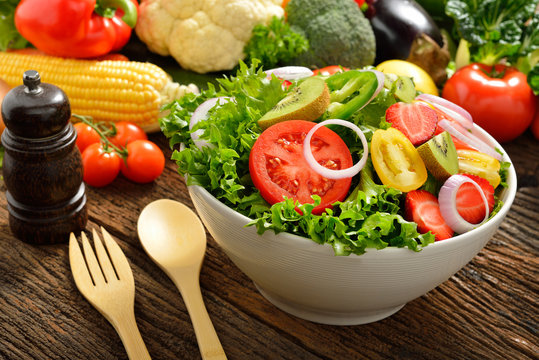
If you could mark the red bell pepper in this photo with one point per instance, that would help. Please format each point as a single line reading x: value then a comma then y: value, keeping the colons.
x: 76, y: 28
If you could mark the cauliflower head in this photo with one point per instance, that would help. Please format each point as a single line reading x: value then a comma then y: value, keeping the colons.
x: 203, y: 35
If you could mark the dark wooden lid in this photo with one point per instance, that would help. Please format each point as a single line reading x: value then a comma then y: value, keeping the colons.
x: 35, y: 109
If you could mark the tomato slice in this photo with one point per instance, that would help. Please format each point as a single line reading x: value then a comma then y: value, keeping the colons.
x: 396, y: 161
x: 482, y: 165
x: 278, y: 168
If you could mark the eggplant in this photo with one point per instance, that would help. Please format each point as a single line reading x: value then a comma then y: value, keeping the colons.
x: 396, y: 25
x: 405, y: 31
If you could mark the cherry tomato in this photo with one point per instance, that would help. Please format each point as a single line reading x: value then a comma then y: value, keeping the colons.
x: 100, y: 167
x: 126, y: 133
x: 145, y: 161
x: 477, y: 163
x: 502, y: 103
x: 329, y: 70
x: 86, y: 136
x: 396, y: 161
x: 278, y: 168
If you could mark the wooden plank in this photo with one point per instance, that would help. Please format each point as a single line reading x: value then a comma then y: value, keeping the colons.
x: 487, y: 310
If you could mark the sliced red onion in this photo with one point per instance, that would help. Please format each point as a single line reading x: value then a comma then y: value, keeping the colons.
x: 470, y: 139
x: 290, y: 72
x: 381, y: 79
x: 324, y: 171
x: 451, y: 109
x: 447, y: 198
x: 201, y: 114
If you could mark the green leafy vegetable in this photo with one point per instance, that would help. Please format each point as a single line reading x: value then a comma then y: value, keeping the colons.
x: 9, y: 36
x: 533, y: 79
x: 370, y: 216
x: 275, y: 44
x: 497, y: 29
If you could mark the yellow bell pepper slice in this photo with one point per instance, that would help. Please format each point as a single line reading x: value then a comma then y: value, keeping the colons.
x: 396, y: 160
x: 477, y: 163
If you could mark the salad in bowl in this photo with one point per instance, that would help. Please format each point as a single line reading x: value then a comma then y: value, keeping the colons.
x: 342, y: 196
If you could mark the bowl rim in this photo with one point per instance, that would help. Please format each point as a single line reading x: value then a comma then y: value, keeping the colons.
x: 507, y: 196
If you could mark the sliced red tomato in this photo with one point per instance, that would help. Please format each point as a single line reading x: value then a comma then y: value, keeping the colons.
x: 421, y: 207
x: 279, y: 170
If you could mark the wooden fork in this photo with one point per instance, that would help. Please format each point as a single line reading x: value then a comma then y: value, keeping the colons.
x: 109, y: 287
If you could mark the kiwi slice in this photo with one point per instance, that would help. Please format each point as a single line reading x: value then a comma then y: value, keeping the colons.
x: 404, y: 88
x: 308, y: 101
x: 440, y: 156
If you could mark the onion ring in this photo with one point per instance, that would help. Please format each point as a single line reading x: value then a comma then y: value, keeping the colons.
x: 335, y: 174
x: 451, y: 109
x: 290, y: 72
x: 470, y: 139
x: 201, y: 114
x: 447, y: 198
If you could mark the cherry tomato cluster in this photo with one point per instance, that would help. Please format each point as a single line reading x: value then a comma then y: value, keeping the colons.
x: 123, y: 148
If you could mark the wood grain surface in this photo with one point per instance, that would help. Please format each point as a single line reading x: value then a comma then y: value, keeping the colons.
x: 487, y: 310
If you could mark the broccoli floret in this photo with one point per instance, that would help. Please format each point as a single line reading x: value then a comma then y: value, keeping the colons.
x: 337, y: 31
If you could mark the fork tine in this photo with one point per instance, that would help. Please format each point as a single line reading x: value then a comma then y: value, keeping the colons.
x: 103, y: 258
x: 78, y: 266
x: 91, y: 261
x: 118, y: 258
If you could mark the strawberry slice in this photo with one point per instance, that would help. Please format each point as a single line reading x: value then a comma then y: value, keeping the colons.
x: 422, y: 208
x: 415, y: 120
x: 470, y: 204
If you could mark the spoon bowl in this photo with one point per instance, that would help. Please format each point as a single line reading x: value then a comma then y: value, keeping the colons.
x: 171, y: 234
x: 174, y: 238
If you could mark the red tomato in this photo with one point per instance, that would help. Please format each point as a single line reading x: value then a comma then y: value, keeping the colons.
x: 86, y: 136
x: 126, y: 133
x: 100, y: 167
x: 279, y: 170
x: 503, y: 105
x: 329, y: 70
x: 145, y: 161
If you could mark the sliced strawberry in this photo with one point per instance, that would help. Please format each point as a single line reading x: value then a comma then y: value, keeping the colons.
x: 416, y: 120
x: 470, y: 204
x: 422, y: 208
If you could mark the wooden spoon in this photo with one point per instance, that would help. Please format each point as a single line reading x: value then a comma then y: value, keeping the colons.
x: 175, y: 239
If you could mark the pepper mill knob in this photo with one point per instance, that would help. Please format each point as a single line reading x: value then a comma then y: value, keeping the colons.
x: 35, y: 109
x: 42, y: 167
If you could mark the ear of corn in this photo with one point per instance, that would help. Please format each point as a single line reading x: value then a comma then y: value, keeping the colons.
x: 108, y: 91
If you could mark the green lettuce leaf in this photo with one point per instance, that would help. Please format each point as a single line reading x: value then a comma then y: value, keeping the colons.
x: 9, y: 36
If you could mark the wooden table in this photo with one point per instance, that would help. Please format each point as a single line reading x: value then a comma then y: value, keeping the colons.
x: 487, y: 310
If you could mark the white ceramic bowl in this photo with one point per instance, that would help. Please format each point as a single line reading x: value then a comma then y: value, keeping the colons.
x: 307, y: 280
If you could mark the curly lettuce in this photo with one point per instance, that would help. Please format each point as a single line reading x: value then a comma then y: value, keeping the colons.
x: 370, y: 217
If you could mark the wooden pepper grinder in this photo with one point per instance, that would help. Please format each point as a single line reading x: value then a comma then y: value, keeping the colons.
x: 42, y: 166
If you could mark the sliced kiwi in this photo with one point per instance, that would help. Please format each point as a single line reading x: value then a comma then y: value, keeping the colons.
x: 440, y: 156
x: 308, y: 102
x: 404, y: 88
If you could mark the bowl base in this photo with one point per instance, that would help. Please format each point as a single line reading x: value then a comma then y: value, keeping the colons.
x: 328, y: 317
